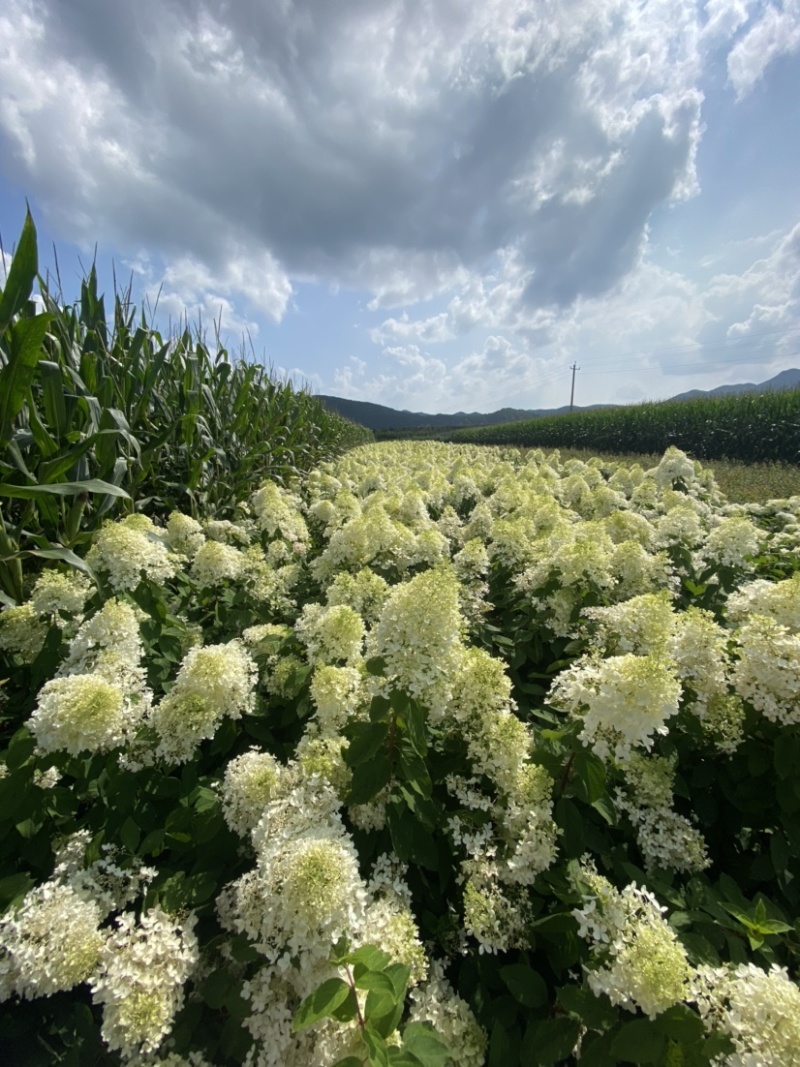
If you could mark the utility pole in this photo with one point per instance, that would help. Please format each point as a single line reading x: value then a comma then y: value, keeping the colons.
x: 573, y: 368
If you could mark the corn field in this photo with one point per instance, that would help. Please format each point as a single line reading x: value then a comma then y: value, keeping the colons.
x: 754, y: 428
x: 100, y: 416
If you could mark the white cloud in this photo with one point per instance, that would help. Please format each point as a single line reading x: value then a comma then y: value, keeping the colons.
x: 775, y: 33
x: 394, y: 147
x: 655, y: 328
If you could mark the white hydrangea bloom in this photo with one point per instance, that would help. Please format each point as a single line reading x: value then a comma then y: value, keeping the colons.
x: 274, y: 998
x: 680, y: 526
x: 623, y: 701
x: 430, y: 547
x: 55, y: 594
x: 768, y: 667
x: 229, y: 532
x: 699, y: 648
x: 644, y: 965
x: 778, y: 600
x: 481, y: 685
x: 758, y: 1010
x: 82, y: 713
x: 436, y: 1002
x: 723, y: 722
x: 665, y: 838
x: 576, y: 555
x: 127, y: 551
x: 638, y: 571
x: 528, y: 826
x: 268, y: 584
x: 215, y: 562
x: 622, y: 525
x: 214, y: 681
x: 113, y: 629
x: 251, y: 781
x: 389, y: 924
x: 733, y: 542
x: 184, y: 535
x: 337, y: 694
x: 323, y: 758
x: 499, y: 746
x: 51, y: 942
x: 305, y: 893
x: 642, y: 625
x: 331, y: 633
x: 514, y: 542
x: 140, y: 979
x: 481, y: 523
x: 366, y: 592
x: 22, y: 631
x: 675, y: 468
x: 419, y: 637
x: 277, y: 512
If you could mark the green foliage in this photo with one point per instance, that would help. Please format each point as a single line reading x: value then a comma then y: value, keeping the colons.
x: 751, y: 427
x: 99, y: 415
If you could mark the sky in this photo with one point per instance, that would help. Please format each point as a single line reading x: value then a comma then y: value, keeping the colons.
x: 437, y: 205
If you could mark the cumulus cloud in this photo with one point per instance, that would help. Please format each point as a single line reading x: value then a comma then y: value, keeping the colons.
x: 657, y: 325
x: 776, y: 32
x: 486, y: 173
x: 394, y: 147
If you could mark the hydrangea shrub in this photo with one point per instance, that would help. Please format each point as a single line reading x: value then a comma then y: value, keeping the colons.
x: 441, y: 755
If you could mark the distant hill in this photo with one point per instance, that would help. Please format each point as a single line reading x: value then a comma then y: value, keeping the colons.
x: 379, y: 417
x: 787, y: 379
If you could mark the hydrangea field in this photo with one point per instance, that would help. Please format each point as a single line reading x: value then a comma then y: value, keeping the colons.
x: 437, y: 755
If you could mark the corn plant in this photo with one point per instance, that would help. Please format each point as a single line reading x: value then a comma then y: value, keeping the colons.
x: 102, y: 414
x: 753, y: 427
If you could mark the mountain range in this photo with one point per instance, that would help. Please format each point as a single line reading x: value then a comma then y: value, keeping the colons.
x: 379, y: 417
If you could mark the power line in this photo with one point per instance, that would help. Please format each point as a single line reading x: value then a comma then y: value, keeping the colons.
x: 635, y: 358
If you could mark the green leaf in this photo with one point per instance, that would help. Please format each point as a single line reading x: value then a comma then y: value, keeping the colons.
x: 382, y: 1005
x: 153, y: 843
x: 681, y: 1024
x: 368, y: 779
x: 595, y: 1012
x: 130, y: 835
x: 20, y: 748
x: 366, y: 740
x: 399, y: 975
x: 216, y: 987
x: 368, y: 957
x: 32, y: 492
x: 21, y: 274
x: 639, y: 1041
x: 560, y: 922
x: 422, y: 1041
x: 16, y: 376
x: 591, y: 772
x: 380, y: 709
x: 552, y: 1040
x: 376, y: 1047
x: 14, y: 886
x: 321, y: 1004
x: 524, y: 984
x: 401, y: 1057
x: 571, y: 822
x: 65, y: 555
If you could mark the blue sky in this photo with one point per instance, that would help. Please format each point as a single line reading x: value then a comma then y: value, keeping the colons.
x: 438, y: 205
